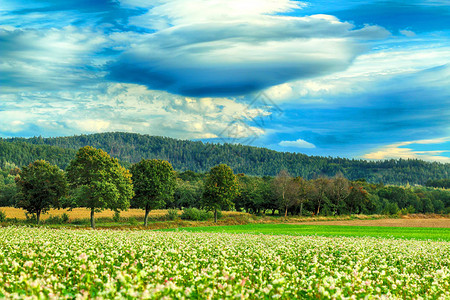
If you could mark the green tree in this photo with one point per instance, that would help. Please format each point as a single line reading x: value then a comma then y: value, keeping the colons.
x: 98, y: 181
x: 188, y: 194
x: 154, y: 183
x: 250, y: 194
x: 318, y: 192
x: 338, y: 190
x: 41, y: 186
x: 304, y: 190
x: 287, y: 190
x: 358, y: 199
x: 221, y: 187
x: 8, y: 194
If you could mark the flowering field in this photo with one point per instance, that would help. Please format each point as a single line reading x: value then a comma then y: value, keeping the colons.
x: 127, y: 264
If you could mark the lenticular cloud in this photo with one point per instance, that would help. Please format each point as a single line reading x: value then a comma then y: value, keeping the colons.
x: 217, y: 56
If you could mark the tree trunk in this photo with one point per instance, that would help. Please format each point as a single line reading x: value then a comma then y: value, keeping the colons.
x: 273, y: 212
x: 38, y: 216
x: 147, y: 210
x: 318, y: 208
x: 215, y: 215
x: 92, y: 219
x: 301, y: 209
x: 285, y: 212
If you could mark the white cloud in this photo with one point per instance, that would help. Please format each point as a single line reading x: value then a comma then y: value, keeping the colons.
x: 279, y: 92
x: 125, y: 107
x: 49, y: 59
x: 408, y: 33
x: 166, y: 13
x: 370, y: 72
x: 12, y: 120
x: 297, y: 144
x: 90, y: 125
x: 397, y: 150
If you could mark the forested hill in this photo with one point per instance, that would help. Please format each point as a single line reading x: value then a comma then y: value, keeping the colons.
x: 21, y: 153
x: 200, y: 157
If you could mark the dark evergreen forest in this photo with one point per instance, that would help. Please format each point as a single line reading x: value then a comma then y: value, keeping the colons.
x: 200, y: 157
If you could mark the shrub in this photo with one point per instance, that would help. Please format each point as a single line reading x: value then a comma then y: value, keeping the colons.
x: 307, y: 213
x: 133, y: 221
x: 195, y: 214
x: 411, y: 209
x: 391, y: 209
x: 116, y: 217
x: 80, y: 221
x: 53, y: 220
x: 403, y: 211
x: 31, y: 218
x: 64, y: 218
x: 2, y: 216
x: 172, y: 214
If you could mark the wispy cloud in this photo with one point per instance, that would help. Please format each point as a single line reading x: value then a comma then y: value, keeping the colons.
x: 386, y: 70
x: 121, y: 107
x: 49, y: 59
x: 398, y: 150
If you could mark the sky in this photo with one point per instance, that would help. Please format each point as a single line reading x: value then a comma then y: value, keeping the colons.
x: 357, y: 79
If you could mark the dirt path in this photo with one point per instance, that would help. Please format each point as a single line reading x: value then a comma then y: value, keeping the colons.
x: 437, y: 223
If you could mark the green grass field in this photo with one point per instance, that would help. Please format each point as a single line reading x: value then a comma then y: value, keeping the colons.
x: 330, y: 230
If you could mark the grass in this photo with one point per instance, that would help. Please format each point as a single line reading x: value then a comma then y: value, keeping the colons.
x: 233, y: 222
x: 330, y: 230
x: 130, y: 219
x: 82, y: 213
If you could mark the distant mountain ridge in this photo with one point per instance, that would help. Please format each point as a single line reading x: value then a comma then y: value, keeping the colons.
x: 200, y: 157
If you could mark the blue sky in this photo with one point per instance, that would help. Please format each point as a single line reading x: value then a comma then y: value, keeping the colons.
x: 357, y: 79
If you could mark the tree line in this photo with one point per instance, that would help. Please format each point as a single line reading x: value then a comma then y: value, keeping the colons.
x: 197, y: 156
x: 439, y: 183
x: 95, y: 180
x: 324, y: 196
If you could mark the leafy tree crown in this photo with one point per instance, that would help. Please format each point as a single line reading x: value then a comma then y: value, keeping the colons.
x: 221, y: 187
x: 99, y: 181
x: 154, y: 183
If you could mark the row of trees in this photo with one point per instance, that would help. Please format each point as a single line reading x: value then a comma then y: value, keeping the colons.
x: 93, y: 180
x: 283, y: 193
x: 336, y: 196
x: 96, y: 181
x: 439, y: 183
x: 321, y: 196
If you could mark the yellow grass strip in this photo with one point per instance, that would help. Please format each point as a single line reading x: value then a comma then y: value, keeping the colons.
x: 81, y: 213
x: 84, y: 213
